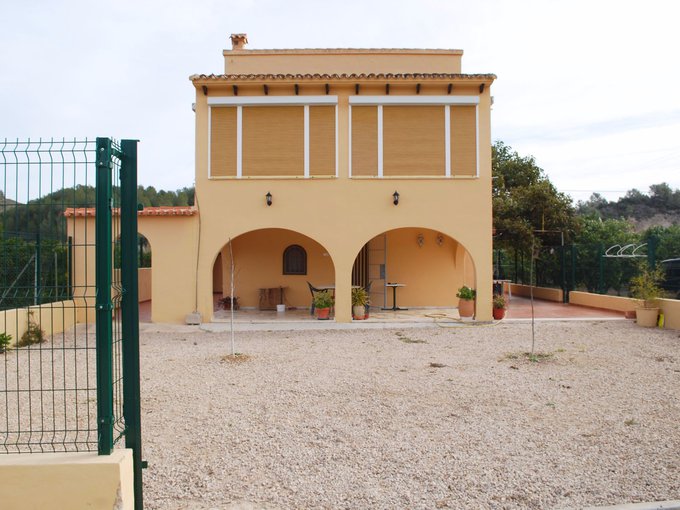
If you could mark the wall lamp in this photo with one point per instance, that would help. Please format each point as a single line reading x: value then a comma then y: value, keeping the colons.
x: 395, y: 195
x: 268, y: 196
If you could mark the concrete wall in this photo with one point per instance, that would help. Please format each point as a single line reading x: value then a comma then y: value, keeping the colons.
x: 144, y: 284
x: 539, y: 292
x: 72, y: 481
x: 52, y: 318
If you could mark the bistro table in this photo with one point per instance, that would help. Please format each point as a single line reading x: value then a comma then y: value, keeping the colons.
x: 394, y: 296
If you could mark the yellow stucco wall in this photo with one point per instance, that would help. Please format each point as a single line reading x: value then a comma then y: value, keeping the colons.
x: 343, y: 213
x: 144, y: 278
x: 342, y: 61
x: 432, y: 273
x: 72, y: 481
x: 174, y: 244
x: 52, y: 318
x: 538, y: 292
x: 258, y: 263
x: 669, y: 307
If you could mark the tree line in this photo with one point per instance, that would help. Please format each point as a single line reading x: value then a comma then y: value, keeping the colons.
x: 528, y: 211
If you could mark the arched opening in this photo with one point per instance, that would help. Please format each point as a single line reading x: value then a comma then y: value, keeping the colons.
x: 271, y: 272
x: 420, y: 267
x: 144, y: 273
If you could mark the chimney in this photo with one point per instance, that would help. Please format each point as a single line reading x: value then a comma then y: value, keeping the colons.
x: 238, y: 41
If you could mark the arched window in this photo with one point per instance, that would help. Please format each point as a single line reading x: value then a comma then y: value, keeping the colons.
x: 294, y: 260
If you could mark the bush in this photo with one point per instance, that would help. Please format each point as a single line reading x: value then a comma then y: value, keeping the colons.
x: 5, y: 341
x: 33, y: 334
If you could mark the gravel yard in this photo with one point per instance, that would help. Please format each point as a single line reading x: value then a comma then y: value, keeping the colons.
x: 412, y: 418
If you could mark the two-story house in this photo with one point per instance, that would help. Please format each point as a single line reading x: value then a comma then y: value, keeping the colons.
x: 341, y: 167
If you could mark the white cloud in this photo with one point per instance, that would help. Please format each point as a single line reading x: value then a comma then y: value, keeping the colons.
x: 586, y: 87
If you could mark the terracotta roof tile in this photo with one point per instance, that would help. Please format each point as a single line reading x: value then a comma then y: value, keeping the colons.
x: 352, y: 76
x: 147, y: 211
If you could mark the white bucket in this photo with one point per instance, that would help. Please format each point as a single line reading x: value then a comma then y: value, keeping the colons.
x: 280, y: 308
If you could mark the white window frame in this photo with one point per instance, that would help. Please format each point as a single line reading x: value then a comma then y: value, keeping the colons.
x: 240, y: 101
x: 445, y: 101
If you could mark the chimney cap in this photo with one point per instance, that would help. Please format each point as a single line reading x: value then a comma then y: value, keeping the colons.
x: 238, y: 41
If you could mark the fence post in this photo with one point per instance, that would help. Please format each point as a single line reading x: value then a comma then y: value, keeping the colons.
x: 651, y: 251
x: 572, y: 286
x: 104, y: 306
x: 130, y: 311
x: 600, y: 283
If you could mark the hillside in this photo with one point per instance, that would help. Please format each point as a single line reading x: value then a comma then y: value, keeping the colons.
x: 658, y: 207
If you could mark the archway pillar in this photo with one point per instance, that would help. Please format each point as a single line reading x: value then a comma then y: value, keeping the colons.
x: 483, y: 260
x: 343, y: 289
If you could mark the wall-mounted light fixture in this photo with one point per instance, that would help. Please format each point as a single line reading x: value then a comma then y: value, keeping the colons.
x: 439, y: 239
x: 420, y: 240
x: 395, y: 195
x: 268, y: 196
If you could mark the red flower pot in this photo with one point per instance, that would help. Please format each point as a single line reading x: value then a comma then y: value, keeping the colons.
x: 323, y: 313
x: 498, y: 313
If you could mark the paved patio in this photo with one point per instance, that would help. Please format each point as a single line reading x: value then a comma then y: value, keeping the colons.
x: 518, y: 308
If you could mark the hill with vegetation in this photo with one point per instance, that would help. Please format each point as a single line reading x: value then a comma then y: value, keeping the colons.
x: 659, y: 207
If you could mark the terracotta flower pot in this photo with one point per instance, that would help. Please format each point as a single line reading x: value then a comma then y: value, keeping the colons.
x: 323, y: 313
x: 466, y: 308
x: 647, y: 317
x: 498, y: 313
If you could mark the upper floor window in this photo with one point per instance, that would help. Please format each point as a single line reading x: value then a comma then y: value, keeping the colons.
x: 424, y: 136
x: 295, y: 260
x: 274, y: 136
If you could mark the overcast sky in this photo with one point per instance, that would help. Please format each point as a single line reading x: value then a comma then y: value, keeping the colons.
x: 590, y: 88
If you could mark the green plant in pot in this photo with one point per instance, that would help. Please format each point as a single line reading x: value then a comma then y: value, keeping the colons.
x: 646, y: 288
x: 499, y: 305
x: 360, y: 300
x: 466, y: 303
x: 323, y: 301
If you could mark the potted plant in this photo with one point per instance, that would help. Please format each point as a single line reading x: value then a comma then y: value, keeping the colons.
x: 646, y: 288
x: 499, y: 306
x: 323, y: 300
x: 466, y: 305
x: 359, y: 301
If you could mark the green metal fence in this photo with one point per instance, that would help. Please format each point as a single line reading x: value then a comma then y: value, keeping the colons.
x: 589, y: 267
x: 68, y: 319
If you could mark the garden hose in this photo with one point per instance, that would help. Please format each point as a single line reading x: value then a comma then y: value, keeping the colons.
x: 459, y: 322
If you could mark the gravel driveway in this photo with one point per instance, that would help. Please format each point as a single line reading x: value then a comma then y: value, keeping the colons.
x: 412, y: 418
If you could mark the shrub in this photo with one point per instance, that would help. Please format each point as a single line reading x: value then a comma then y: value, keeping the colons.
x: 5, y: 341
x: 33, y: 333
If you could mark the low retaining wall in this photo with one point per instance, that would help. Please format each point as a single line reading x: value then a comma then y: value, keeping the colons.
x: 669, y: 307
x: 539, y: 292
x: 67, y: 480
x: 52, y: 318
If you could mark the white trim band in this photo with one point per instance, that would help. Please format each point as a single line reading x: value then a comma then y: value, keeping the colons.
x: 271, y: 100
x: 414, y: 100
